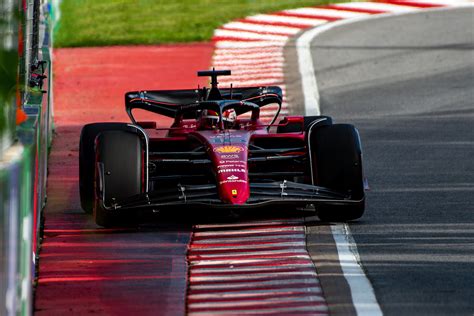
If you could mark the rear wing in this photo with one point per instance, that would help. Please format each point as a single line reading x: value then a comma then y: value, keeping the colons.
x: 169, y: 102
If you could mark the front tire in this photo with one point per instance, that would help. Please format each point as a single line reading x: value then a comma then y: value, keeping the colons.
x: 119, y: 163
x: 87, y: 159
x: 337, y: 164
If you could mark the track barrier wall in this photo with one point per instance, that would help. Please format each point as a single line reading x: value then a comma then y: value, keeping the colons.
x: 23, y: 163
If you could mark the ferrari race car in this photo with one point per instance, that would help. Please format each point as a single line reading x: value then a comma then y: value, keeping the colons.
x: 218, y: 153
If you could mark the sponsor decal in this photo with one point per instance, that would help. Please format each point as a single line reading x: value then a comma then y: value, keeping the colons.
x: 228, y: 166
x: 223, y: 136
x: 228, y: 149
x: 224, y: 162
x: 232, y: 177
x: 233, y: 181
x: 231, y: 170
x: 229, y: 156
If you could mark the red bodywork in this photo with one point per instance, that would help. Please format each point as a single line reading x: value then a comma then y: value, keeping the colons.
x: 228, y: 150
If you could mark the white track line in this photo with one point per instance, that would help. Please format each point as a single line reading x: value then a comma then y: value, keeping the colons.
x: 363, y: 296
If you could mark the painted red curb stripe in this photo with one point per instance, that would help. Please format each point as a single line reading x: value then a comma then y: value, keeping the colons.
x: 262, y: 263
x: 414, y: 4
x: 259, y: 256
x: 196, y: 252
x: 294, y: 25
x: 245, y: 280
x: 248, y: 243
x: 251, y: 228
x: 275, y: 305
x: 296, y: 269
x: 240, y: 289
x: 341, y: 7
x: 256, y: 32
x: 251, y: 297
x: 238, y: 39
x: 269, y: 234
x: 308, y: 16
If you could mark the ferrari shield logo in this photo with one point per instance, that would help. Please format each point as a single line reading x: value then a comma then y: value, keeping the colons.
x: 234, y: 192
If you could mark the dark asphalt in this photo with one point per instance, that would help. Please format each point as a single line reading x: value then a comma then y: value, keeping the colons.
x: 407, y: 83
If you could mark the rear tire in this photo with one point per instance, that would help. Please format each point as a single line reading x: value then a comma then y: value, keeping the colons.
x: 87, y: 158
x: 337, y: 165
x: 120, y: 153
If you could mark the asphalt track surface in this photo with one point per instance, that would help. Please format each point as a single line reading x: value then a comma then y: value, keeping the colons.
x: 407, y: 83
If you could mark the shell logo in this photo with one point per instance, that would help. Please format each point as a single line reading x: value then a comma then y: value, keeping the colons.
x: 228, y: 149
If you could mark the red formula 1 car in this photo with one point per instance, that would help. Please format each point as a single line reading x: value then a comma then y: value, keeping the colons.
x: 219, y: 154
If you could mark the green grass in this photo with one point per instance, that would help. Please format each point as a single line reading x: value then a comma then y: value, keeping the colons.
x: 122, y: 22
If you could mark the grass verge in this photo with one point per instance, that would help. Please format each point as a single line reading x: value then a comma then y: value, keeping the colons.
x: 125, y: 22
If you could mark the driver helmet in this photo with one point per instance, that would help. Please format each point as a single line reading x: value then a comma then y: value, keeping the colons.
x: 229, y: 116
x: 209, y: 119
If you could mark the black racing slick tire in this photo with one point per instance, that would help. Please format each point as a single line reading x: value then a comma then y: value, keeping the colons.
x: 337, y: 164
x: 87, y: 159
x: 119, y: 163
x: 308, y: 120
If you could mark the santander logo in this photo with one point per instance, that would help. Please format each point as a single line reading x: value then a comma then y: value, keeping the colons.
x: 228, y: 149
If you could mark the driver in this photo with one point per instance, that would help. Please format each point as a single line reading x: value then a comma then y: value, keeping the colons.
x: 209, y: 119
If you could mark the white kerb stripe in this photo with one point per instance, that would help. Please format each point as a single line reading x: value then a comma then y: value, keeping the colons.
x: 330, y: 13
x: 245, y: 45
x: 248, y: 56
x: 249, y: 35
x: 264, y: 61
x: 248, y: 26
x: 229, y: 51
x: 378, y: 6
x: 363, y: 296
x: 285, y: 19
x: 241, y: 71
x: 244, y: 68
